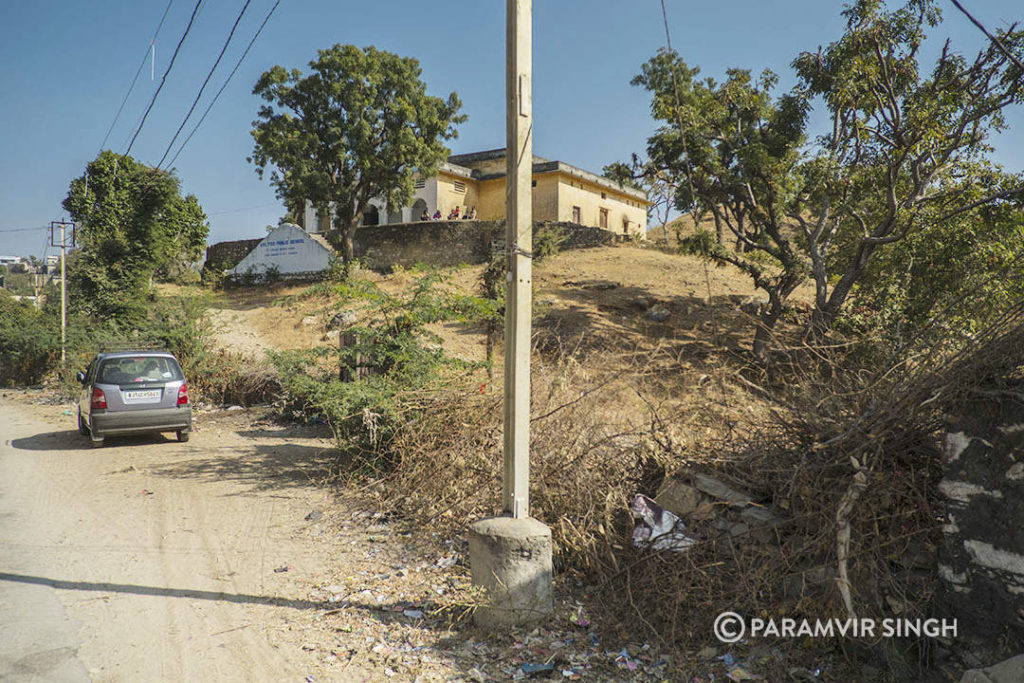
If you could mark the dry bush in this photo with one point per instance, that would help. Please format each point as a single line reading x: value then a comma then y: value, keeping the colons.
x: 226, y: 378
x: 832, y: 446
x: 852, y: 461
x: 591, y: 450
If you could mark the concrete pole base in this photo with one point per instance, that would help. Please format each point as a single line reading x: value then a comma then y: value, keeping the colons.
x: 511, y: 559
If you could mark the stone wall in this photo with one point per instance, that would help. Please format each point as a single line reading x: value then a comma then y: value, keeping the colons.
x: 437, y: 243
x: 225, y: 255
x: 451, y: 243
x: 982, y: 559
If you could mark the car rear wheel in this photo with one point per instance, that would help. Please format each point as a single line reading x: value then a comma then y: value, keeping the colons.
x: 183, y: 435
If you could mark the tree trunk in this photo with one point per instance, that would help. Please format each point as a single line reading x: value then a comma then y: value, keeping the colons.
x: 777, y: 298
x: 719, y: 230
x: 825, y: 314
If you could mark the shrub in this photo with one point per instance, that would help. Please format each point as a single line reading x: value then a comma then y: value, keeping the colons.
x: 29, y: 342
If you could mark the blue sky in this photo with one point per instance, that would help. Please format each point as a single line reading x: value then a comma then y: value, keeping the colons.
x: 67, y: 65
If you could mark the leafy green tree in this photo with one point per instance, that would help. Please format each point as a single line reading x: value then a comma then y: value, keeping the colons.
x: 901, y: 155
x: 904, y: 151
x: 133, y: 226
x: 734, y: 151
x: 360, y: 126
x: 945, y: 281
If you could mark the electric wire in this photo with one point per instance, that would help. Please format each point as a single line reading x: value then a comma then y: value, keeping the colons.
x: 137, y: 72
x: 38, y: 227
x: 163, y: 80
x: 998, y: 43
x: 225, y: 85
x: 205, y: 82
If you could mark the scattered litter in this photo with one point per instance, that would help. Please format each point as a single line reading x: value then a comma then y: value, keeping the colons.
x: 625, y: 661
x: 281, y: 570
x: 413, y: 613
x: 67, y: 412
x: 314, y: 516
x: 308, y: 646
x: 572, y: 674
x: 658, y: 528
x: 446, y: 562
x: 235, y: 408
x: 738, y: 673
x: 536, y: 669
x: 146, y: 492
x: 579, y: 620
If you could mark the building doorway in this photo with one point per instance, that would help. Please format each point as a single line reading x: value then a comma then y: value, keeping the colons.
x: 419, y: 209
x: 371, y: 216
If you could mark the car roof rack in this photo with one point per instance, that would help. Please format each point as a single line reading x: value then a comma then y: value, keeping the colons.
x: 111, y: 347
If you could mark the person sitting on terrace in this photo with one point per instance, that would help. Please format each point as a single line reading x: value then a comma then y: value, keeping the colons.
x: 424, y: 216
x: 471, y: 214
x: 454, y: 214
x: 437, y: 215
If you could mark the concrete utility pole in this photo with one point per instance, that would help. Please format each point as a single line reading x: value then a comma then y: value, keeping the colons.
x: 63, y: 244
x: 518, y: 255
x: 510, y: 556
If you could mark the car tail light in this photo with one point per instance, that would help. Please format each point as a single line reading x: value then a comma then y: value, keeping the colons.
x: 99, y: 399
x: 183, y: 395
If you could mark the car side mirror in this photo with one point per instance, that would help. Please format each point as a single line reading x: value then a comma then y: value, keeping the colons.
x: 81, y: 377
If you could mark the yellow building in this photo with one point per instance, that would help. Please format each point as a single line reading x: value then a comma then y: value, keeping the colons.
x: 561, y: 192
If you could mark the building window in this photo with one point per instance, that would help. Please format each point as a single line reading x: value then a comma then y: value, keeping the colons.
x: 460, y: 186
x: 420, y: 184
x: 604, y: 196
x: 534, y: 184
x: 625, y: 226
x: 576, y: 215
x: 602, y: 220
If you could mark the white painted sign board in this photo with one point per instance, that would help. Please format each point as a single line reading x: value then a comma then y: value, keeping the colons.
x: 287, y: 248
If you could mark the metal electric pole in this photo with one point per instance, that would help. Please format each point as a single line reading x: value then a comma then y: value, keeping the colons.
x: 63, y: 243
x: 519, y: 247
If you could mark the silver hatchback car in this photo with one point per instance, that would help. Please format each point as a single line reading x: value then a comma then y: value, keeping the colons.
x: 133, y: 392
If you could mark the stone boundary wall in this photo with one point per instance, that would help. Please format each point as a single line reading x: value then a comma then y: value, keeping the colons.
x: 451, y: 243
x: 981, y: 562
x: 436, y: 243
x: 226, y: 255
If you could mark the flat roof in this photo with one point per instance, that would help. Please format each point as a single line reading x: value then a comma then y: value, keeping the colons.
x: 569, y: 169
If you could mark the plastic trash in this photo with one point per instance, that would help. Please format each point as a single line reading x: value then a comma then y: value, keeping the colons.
x: 536, y: 669
x: 657, y: 528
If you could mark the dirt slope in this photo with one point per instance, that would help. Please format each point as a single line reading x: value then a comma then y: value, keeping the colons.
x: 604, y: 285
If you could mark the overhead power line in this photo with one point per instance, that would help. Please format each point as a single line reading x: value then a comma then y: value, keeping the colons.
x: 225, y: 85
x: 38, y: 227
x: 137, y: 72
x: 203, y: 86
x: 163, y: 80
x: 998, y: 43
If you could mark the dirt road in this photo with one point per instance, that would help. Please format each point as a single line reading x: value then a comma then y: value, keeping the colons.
x: 150, y: 560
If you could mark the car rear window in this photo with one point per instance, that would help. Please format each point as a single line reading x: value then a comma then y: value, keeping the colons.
x: 138, y: 370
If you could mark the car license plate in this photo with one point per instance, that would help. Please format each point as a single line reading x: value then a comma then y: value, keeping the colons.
x: 142, y: 396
